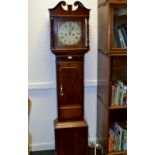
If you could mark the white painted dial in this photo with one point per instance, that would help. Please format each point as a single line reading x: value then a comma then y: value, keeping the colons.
x: 69, y: 33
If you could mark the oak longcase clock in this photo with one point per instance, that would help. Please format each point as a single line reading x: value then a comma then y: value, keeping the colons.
x: 69, y: 42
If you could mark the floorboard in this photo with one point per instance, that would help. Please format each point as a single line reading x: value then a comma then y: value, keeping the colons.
x: 51, y: 152
x: 47, y: 152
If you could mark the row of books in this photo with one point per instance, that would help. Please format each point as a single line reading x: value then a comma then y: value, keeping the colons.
x: 117, y: 138
x: 120, y: 36
x: 119, y: 94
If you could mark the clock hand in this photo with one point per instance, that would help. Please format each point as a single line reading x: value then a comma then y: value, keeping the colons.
x: 70, y: 28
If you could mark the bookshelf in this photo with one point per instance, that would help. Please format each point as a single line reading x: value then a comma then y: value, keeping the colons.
x: 112, y: 76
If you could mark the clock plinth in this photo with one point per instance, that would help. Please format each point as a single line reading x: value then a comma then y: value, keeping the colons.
x: 69, y: 42
x: 71, y: 138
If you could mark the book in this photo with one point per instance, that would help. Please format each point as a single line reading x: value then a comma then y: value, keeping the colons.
x: 121, y: 95
x: 124, y: 33
x: 116, y: 144
x: 119, y: 131
x: 122, y: 41
x: 110, y: 144
x: 113, y: 95
x: 114, y: 42
x: 111, y: 140
x: 121, y: 89
x: 124, y: 140
x: 117, y: 39
x: 117, y: 94
x: 124, y: 102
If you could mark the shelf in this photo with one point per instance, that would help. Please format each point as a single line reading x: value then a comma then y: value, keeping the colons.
x: 118, y: 107
x: 118, y: 52
x: 115, y: 52
x: 118, y: 153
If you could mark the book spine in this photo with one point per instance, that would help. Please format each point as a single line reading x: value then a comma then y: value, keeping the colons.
x: 124, y: 96
x: 110, y: 144
x: 124, y: 140
x: 113, y: 95
x: 117, y: 95
x: 111, y: 140
x: 117, y: 38
x: 121, y: 38
x: 124, y: 35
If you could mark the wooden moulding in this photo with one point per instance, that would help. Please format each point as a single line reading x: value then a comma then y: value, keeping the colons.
x: 69, y: 124
x: 58, y: 10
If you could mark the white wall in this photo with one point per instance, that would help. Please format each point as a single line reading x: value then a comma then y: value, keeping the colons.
x: 42, y: 81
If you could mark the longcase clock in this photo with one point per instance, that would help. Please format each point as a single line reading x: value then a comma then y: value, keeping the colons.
x: 69, y: 42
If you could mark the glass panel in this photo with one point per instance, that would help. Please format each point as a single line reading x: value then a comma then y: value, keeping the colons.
x: 70, y: 33
x: 120, y: 28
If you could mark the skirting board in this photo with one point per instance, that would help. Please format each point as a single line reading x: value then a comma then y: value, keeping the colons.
x: 49, y: 145
x: 42, y: 146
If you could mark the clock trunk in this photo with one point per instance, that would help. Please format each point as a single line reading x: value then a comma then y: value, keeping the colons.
x: 70, y: 87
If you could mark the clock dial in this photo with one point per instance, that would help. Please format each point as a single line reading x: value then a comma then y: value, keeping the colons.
x: 69, y: 33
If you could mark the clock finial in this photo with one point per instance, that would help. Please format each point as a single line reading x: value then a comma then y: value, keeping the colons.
x: 59, y: 6
x: 61, y: 3
x: 70, y: 8
x: 80, y: 5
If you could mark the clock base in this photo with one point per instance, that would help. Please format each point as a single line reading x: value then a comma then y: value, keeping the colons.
x: 71, y: 138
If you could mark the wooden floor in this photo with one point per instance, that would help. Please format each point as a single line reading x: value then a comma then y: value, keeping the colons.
x: 48, y: 152
x: 51, y: 152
